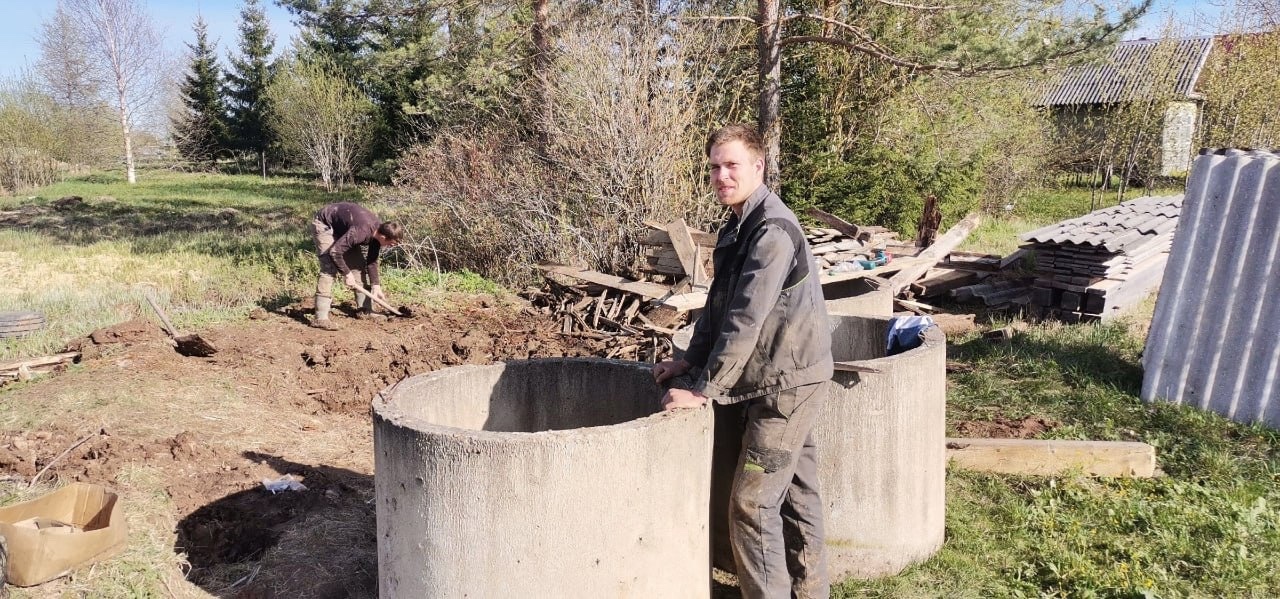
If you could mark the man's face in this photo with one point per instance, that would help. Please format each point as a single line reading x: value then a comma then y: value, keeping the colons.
x: 735, y: 172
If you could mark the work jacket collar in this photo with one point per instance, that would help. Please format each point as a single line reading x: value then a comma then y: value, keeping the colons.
x: 752, y: 204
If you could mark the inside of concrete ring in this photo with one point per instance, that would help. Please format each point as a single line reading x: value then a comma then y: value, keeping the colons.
x: 531, y: 396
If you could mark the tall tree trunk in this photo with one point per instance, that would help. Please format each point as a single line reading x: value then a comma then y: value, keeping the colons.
x: 770, y: 75
x: 130, y: 173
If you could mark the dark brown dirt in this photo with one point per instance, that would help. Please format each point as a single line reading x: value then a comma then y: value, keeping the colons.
x: 226, y: 516
x: 1006, y: 428
x: 133, y: 331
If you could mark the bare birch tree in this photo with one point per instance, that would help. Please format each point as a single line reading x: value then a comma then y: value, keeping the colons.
x: 321, y: 117
x: 125, y: 53
x: 80, y: 120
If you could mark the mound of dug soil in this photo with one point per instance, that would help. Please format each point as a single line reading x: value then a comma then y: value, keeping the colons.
x: 313, y: 543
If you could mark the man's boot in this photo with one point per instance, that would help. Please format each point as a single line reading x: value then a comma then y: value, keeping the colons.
x: 364, y: 310
x: 321, y: 321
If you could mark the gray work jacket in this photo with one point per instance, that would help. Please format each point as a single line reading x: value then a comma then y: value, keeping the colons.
x: 764, y: 329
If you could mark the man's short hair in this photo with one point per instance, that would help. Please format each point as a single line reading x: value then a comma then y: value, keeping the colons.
x: 747, y: 134
x: 392, y: 231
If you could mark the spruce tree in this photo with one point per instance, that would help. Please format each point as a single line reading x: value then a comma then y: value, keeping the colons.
x: 247, y: 83
x: 201, y: 130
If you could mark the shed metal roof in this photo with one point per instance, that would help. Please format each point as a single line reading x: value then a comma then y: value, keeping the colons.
x: 1136, y: 70
x: 1115, y: 229
x: 1213, y: 339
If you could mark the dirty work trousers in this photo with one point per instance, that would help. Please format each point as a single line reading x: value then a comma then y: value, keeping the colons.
x: 775, y: 511
x: 323, y: 236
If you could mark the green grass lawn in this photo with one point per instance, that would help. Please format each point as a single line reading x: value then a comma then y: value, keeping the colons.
x: 1207, y: 528
x: 216, y: 245
x: 209, y: 247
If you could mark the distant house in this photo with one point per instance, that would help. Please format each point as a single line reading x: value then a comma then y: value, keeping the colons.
x: 1160, y: 75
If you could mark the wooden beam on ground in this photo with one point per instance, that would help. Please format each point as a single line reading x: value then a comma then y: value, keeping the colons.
x: 944, y: 282
x: 684, y: 302
x: 834, y: 222
x: 917, y: 307
x: 682, y: 240
x: 936, y: 252
x: 1053, y: 457
x: 41, y: 361
x: 641, y: 288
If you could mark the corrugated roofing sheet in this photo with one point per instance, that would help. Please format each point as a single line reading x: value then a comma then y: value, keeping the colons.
x: 1117, y: 228
x: 1214, y: 342
x: 1136, y: 70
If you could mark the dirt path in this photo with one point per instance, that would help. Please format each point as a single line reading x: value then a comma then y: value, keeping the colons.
x: 278, y: 398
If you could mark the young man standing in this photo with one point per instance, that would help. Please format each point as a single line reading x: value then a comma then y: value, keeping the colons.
x: 763, y: 346
x: 339, y: 230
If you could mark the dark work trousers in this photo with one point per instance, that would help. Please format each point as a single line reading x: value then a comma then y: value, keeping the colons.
x: 775, y: 512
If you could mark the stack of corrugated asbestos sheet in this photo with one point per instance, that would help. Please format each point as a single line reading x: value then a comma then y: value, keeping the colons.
x: 1215, y: 337
x: 1099, y: 264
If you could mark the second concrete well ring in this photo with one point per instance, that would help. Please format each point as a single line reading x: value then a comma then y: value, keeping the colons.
x: 881, y: 453
x: 540, y: 478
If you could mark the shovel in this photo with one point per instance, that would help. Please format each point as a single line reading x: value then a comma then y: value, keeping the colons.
x: 187, y: 345
x: 403, y: 311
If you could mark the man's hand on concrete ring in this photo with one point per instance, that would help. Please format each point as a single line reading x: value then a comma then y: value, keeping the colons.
x: 668, y: 369
x: 682, y: 398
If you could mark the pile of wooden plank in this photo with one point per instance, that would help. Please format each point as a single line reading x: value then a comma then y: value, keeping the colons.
x: 1099, y: 264
x: 845, y: 247
x: 29, y: 368
x: 967, y: 276
x: 617, y: 313
x: 676, y: 250
x: 832, y: 248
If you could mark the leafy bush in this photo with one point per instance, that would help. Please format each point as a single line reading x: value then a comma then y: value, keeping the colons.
x: 888, y: 189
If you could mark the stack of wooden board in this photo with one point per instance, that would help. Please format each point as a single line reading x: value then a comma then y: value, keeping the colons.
x: 674, y: 249
x: 832, y: 247
x: 1097, y: 265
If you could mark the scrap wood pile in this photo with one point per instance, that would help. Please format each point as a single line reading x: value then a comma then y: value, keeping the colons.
x: 845, y: 247
x: 617, y: 313
x: 1096, y: 265
x: 29, y: 368
x: 968, y: 277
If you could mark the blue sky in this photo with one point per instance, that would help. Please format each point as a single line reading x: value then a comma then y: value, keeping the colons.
x: 1192, y: 17
x: 22, y: 19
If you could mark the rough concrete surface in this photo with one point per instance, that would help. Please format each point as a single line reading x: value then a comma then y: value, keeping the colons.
x: 882, y: 442
x: 857, y: 297
x: 881, y: 453
x: 542, y: 478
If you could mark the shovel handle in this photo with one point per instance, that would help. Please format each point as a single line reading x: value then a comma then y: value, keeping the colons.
x: 376, y: 300
x: 168, y: 326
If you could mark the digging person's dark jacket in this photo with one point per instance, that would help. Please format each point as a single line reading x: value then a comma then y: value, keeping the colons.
x: 353, y: 226
x: 764, y: 329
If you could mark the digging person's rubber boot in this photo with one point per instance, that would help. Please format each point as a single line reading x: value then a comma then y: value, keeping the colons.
x: 321, y: 321
x: 371, y: 315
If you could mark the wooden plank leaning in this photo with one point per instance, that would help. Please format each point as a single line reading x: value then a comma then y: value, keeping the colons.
x: 641, y: 288
x: 936, y: 252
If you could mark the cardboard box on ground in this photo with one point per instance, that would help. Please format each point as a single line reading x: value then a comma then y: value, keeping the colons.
x: 51, y: 535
